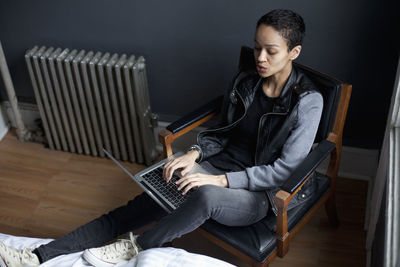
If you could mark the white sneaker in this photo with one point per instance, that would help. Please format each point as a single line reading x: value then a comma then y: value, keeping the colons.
x: 11, y: 257
x: 122, y: 250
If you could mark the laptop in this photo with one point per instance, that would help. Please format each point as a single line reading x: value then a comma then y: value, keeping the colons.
x: 151, y: 181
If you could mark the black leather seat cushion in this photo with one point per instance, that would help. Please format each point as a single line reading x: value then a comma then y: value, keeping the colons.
x: 258, y: 240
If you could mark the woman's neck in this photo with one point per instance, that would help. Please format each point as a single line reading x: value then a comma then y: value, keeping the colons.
x: 273, y: 85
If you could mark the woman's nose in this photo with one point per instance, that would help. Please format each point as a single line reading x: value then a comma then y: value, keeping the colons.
x: 262, y: 57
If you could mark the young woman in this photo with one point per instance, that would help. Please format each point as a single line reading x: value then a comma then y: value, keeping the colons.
x: 268, y: 124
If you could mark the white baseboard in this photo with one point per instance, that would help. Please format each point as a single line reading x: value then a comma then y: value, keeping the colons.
x: 3, y: 123
x: 356, y: 163
x: 29, y: 113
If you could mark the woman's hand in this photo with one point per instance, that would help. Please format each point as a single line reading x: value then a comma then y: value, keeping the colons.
x: 198, y: 179
x: 185, y: 162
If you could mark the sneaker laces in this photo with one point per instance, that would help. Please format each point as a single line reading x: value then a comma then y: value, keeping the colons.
x: 123, y: 248
x: 27, y: 256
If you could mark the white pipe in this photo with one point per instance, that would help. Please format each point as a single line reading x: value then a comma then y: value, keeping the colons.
x: 22, y: 133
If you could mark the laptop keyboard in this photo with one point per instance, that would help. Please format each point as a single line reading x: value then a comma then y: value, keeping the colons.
x: 168, y: 190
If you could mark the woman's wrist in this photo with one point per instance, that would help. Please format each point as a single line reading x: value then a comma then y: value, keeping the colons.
x: 193, y: 154
x: 223, y: 180
x: 198, y: 149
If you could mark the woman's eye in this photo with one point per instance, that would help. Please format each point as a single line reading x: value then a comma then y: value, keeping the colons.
x: 272, y: 52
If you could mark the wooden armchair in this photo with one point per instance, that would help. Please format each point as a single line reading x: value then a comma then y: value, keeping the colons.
x: 259, y: 243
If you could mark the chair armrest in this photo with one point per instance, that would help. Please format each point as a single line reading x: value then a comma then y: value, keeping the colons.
x: 289, y: 189
x: 187, y: 123
x: 196, y: 115
x: 310, y: 163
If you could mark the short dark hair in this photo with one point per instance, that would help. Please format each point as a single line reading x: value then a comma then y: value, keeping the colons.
x: 289, y: 24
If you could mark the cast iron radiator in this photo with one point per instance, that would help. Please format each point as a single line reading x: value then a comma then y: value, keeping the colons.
x: 89, y: 100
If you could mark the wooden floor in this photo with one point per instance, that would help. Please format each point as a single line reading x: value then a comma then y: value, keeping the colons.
x: 46, y: 193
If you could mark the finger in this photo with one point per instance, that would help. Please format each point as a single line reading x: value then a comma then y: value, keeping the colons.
x: 193, y: 184
x: 187, y: 181
x: 166, y: 166
x: 169, y: 164
x: 186, y: 177
x: 169, y: 167
x: 183, y: 182
x: 186, y: 170
x: 190, y: 182
x: 170, y: 170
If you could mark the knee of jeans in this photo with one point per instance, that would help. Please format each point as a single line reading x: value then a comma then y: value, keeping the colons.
x: 207, y: 196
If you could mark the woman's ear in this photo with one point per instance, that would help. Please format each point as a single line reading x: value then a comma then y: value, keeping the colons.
x: 295, y: 52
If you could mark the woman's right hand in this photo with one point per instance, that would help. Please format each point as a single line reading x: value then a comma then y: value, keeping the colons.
x: 185, y: 162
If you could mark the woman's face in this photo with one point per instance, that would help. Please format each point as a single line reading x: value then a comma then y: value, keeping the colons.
x: 271, y: 52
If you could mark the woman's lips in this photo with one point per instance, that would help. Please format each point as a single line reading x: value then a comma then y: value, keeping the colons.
x: 261, y: 69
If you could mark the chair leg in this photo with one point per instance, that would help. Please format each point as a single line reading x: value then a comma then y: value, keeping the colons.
x: 330, y: 208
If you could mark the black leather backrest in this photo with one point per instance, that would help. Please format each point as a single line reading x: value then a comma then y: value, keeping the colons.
x: 329, y: 87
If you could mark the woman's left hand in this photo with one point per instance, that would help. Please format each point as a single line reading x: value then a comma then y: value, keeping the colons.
x: 198, y: 179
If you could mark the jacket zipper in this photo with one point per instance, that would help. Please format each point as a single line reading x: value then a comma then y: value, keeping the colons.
x: 269, y: 130
x: 259, y: 129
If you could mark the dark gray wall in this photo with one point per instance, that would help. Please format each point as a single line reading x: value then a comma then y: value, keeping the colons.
x: 192, y: 46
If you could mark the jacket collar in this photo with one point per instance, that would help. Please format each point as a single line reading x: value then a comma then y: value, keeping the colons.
x: 252, y: 80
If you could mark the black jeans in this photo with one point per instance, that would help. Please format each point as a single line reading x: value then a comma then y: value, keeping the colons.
x: 138, y: 212
x: 234, y: 207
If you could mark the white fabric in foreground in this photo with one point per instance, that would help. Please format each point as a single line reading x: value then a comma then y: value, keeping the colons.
x: 155, y: 257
